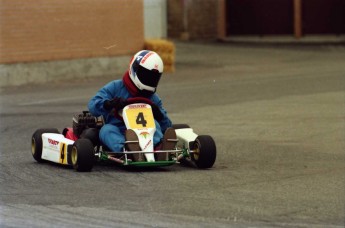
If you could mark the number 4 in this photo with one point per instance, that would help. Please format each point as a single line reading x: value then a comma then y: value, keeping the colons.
x: 140, y: 119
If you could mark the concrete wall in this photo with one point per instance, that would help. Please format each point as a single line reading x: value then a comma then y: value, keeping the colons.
x: 58, y: 30
x: 73, y: 69
x: 155, y: 19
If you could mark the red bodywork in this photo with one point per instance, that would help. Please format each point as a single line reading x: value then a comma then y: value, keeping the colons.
x: 68, y: 133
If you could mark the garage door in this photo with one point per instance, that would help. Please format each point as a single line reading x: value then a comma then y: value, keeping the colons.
x: 259, y: 17
x: 323, y: 16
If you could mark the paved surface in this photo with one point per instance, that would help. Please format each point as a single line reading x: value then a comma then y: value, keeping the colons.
x: 276, y: 114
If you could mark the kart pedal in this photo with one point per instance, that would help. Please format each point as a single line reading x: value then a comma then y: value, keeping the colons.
x: 169, y: 143
x: 169, y: 139
x: 132, y: 144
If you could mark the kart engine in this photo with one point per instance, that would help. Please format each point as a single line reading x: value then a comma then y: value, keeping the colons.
x: 86, y: 120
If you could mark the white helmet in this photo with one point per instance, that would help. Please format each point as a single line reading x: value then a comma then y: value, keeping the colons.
x: 145, y: 70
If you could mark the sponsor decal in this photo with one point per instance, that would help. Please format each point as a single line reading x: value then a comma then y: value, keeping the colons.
x: 146, y: 57
x: 147, y: 144
x: 156, y: 66
x: 52, y: 145
x: 53, y: 142
x: 144, y: 134
x: 137, y: 106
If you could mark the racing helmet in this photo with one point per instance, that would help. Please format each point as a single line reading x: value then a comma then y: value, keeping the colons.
x: 145, y: 71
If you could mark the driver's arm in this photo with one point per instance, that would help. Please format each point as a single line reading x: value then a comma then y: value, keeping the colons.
x: 96, y: 103
x: 165, y: 121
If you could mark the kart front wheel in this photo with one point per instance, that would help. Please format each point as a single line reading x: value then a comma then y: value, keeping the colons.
x: 204, y: 152
x: 36, y: 142
x: 82, y: 155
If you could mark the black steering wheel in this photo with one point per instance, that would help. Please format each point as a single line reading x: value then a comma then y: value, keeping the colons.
x: 157, y: 114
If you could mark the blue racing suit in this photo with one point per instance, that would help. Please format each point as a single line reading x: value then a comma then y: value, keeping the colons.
x: 112, y: 133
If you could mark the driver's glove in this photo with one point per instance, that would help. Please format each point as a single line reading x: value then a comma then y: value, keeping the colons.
x: 117, y: 103
x: 158, y: 115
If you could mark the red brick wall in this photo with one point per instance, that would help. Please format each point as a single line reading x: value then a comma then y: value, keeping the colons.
x: 40, y: 30
x: 202, y: 16
x: 175, y: 18
x: 202, y: 19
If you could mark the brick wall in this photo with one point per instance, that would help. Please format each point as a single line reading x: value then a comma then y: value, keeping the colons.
x: 40, y: 30
x: 175, y: 18
x: 202, y: 16
x: 202, y: 19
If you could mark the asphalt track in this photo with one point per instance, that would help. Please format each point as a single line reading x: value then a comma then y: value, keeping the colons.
x: 275, y: 112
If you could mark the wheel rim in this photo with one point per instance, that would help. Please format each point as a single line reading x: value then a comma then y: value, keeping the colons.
x: 196, y: 152
x: 74, y: 155
x: 33, y: 146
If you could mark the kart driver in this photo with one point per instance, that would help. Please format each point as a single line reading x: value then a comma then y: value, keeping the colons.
x: 140, y: 80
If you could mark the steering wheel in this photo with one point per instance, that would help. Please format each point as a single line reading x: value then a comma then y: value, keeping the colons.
x: 157, y: 114
x: 144, y: 100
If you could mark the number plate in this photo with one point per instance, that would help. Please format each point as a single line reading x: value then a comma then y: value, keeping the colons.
x: 139, y: 116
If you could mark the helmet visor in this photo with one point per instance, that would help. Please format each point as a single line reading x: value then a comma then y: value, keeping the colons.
x: 148, y: 77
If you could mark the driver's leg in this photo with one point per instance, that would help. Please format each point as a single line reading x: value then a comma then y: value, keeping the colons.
x: 113, y: 137
x: 164, y: 142
x: 158, y: 136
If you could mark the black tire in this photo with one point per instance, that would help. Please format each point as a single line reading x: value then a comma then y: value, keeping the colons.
x: 91, y: 134
x: 36, y: 142
x: 205, y: 152
x: 82, y: 155
x: 180, y: 126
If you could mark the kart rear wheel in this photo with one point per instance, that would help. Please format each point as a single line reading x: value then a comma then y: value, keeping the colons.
x: 36, y: 142
x: 205, y: 152
x: 82, y: 155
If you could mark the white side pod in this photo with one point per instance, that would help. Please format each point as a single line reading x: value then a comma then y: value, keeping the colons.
x: 185, y: 136
x: 55, y: 147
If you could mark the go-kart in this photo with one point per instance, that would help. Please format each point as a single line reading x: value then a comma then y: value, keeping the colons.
x: 80, y: 147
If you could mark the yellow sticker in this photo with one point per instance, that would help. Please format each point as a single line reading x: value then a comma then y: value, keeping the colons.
x: 63, y: 154
x: 140, y: 117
